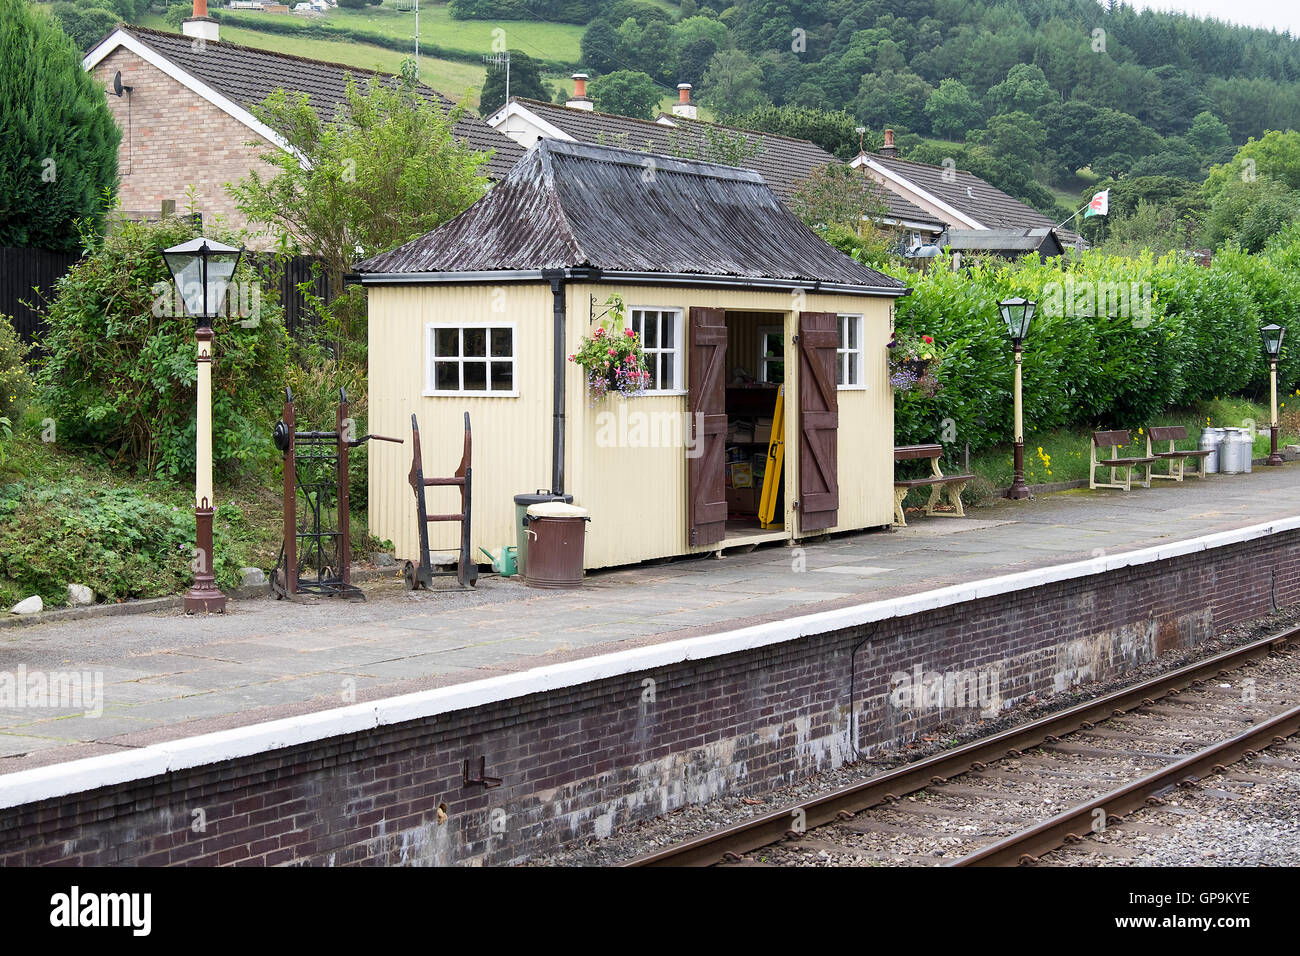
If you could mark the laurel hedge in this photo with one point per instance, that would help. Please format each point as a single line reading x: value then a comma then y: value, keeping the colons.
x: 1116, y: 342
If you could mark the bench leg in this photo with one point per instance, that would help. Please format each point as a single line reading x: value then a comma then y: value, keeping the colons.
x: 954, y: 498
x: 899, y: 495
x: 1147, y: 483
x: 935, y: 492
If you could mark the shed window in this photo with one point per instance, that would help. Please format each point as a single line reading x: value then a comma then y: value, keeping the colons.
x: 472, y: 359
x: 848, y: 355
x: 661, y: 340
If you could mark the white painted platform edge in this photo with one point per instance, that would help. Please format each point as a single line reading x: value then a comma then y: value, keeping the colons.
x: 62, y: 779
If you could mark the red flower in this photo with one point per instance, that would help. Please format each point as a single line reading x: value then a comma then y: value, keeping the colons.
x: 600, y: 333
x: 570, y: 358
x: 610, y: 352
x: 629, y: 333
x: 927, y: 340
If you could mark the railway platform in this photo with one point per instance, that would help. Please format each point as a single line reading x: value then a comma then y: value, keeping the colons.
x: 751, y: 649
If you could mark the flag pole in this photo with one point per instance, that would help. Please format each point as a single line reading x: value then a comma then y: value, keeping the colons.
x: 1073, y: 214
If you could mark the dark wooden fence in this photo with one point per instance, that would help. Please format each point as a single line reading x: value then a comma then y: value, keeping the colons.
x: 25, y: 271
x: 22, y: 273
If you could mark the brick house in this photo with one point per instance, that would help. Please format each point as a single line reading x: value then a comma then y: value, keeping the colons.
x: 182, y: 102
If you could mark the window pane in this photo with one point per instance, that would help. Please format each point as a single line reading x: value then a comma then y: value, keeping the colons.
x: 852, y: 328
x: 447, y: 376
x: 475, y: 341
x: 666, y: 371
x: 839, y: 369
x: 476, y: 376
x: 851, y: 376
x: 650, y: 332
x: 503, y: 376
x: 502, y: 342
x: 669, y: 330
x: 446, y: 342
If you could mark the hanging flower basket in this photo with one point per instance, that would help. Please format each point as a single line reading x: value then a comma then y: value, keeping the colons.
x: 913, y: 362
x: 612, y: 356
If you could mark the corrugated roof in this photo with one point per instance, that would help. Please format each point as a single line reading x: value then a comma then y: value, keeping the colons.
x: 972, y: 196
x: 247, y: 76
x: 783, y: 162
x: 1002, y: 240
x: 577, y: 205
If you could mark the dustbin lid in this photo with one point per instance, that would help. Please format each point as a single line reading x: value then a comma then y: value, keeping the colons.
x: 541, y: 497
x: 556, y: 509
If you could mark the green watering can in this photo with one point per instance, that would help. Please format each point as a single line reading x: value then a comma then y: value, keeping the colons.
x: 503, y: 563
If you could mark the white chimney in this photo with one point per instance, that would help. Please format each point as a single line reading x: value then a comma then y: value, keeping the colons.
x: 684, y: 107
x: 200, y: 26
x: 579, y: 99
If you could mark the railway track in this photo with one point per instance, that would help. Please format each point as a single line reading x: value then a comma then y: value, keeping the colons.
x: 1009, y: 798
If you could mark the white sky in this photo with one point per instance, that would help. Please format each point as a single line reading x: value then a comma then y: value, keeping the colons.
x: 1272, y: 14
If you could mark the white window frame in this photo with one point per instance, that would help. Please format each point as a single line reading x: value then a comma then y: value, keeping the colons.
x: 430, y: 329
x: 844, y: 356
x: 678, y: 351
x: 763, y: 332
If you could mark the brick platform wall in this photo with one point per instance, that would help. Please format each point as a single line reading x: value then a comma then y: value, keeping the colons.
x: 579, y: 762
x: 172, y: 138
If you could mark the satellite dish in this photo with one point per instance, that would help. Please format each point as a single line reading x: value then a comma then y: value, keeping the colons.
x: 117, y: 84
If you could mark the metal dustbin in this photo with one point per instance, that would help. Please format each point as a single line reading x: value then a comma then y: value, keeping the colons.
x: 1211, y: 439
x: 1234, y: 452
x: 558, y: 532
x: 522, y: 504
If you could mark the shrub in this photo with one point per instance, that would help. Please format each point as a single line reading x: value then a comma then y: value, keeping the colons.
x: 117, y: 541
x: 15, y: 382
x: 120, y: 370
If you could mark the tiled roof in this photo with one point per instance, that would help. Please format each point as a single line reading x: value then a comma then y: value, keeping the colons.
x: 971, y: 196
x: 571, y: 205
x: 247, y: 76
x: 783, y: 162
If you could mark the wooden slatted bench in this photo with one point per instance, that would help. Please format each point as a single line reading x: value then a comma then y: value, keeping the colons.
x: 939, y: 483
x: 1116, y: 464
x: 1171, y: 434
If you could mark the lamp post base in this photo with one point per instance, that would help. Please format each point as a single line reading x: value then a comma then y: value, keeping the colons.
x: 1274, y: 458
x: 204, y: 597
x: 1019, y: 490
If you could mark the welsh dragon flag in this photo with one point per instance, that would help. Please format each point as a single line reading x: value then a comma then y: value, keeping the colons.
x: 1099, y: 205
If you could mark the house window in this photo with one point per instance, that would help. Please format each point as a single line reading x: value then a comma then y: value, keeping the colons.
x: 661, y: 341
x: 848, y: 355
x: 771, y: 354
x: 470, y: 360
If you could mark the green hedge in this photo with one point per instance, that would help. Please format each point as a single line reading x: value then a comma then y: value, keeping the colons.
x: 1116, y: 341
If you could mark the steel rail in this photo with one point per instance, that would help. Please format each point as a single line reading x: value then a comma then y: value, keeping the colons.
x: 732, y: 841
x: 1070, y: 826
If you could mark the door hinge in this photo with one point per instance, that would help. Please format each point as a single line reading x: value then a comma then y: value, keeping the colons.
x: 795, y: 340
x: 694, y: 533
x: 794, y: 506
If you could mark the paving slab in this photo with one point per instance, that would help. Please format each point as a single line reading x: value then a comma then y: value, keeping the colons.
x: 167, y: 676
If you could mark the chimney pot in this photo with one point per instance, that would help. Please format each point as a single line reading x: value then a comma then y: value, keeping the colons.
x: 200, y: 26
x: 889, y: 149
x: 579, y: 100
x: 684, y: 107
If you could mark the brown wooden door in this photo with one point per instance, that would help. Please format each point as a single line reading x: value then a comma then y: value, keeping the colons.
x: 819, y: 421
x: 707, y: 381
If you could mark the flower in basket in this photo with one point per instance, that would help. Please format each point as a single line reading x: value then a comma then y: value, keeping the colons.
x: 612, y: 356
x: 913, y: 362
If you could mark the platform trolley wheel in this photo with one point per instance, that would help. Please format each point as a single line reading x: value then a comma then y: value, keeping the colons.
x: 408, y: 576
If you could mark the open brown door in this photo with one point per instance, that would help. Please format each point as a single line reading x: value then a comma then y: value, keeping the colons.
x: 707, y: 402
x: 819, y: 422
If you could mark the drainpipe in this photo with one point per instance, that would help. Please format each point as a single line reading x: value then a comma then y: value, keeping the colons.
x: 556, y: 278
